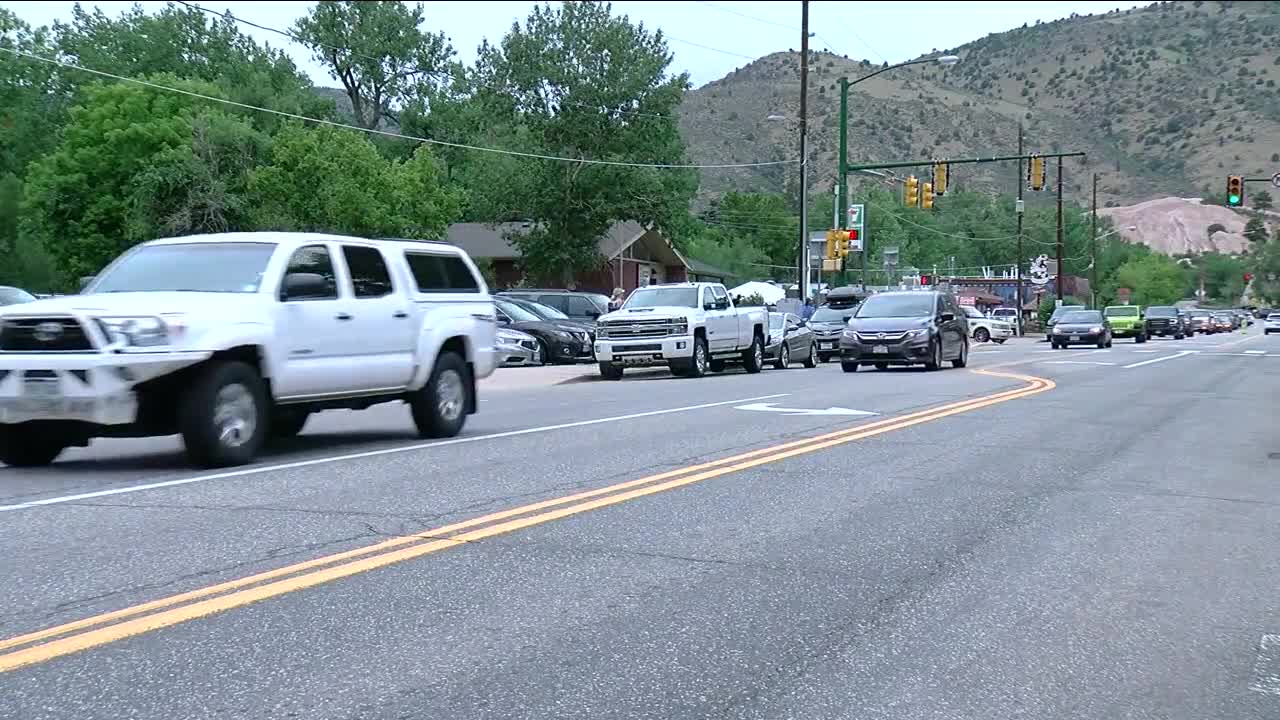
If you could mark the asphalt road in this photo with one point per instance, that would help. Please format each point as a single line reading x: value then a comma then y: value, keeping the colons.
x: 1048, y: 534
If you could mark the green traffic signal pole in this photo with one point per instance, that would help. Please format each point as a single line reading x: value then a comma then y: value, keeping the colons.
x: 961, y: 161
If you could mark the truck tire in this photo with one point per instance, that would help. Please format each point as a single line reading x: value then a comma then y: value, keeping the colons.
x: 439, y: 409
x: 609, y: 371
x: 753, y: 358
x: 700, y: 362
x: 288, y: 422
x: 223, y: 416
x: 24, y: 446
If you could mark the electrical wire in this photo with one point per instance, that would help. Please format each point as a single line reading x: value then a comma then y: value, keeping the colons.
x: 900, y: 218
x: 388, y: 133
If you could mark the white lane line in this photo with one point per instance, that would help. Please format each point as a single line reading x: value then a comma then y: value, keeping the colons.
x: 1147, y: 352
x: 1266, y: 669
x: 1255, y: 352
x: 1246, y: 353
x: 1179, y: 354
x: 367, y: 454
x: 1241, y: 341
x: 1075, y: 362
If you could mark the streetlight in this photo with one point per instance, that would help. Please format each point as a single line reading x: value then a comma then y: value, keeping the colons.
x: 843, y: 170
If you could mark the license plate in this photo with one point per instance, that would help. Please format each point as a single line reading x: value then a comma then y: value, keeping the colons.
x: 827, y: 346
x: 878, y: 349
x: 40, y: 387
x: 1074, y: 338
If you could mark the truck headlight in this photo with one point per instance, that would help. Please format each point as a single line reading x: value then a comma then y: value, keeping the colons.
x: 680, y: 328
x: 135, y: 331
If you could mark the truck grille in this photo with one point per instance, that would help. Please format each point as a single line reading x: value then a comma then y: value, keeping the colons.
x: 43, y: 334
x: 636, y: 329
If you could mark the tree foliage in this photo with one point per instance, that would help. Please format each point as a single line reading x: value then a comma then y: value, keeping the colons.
x: 1262, y: 200
x: 1152, y: 280
x: 1255, y: 230
x: 378, y: 51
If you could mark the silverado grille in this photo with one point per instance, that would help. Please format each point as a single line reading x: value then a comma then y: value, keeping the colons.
x: 639, y: 329
x: 43, y: 334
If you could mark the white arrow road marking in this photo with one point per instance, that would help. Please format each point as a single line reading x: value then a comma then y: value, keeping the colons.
x: 1182, y: 353
x: 770, y: 407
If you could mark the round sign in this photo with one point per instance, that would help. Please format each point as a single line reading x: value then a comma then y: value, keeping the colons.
x: 1275, y: 180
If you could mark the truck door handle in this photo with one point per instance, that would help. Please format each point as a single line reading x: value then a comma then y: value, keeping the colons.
x: 400, y: 314
x: 342, y: 316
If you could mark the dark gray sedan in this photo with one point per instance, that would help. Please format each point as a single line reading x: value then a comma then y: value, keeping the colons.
x: 1081, y: 327
x: 790, y: 339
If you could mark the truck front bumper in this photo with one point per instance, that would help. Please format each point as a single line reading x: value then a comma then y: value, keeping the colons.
x: 656, y: 351
x: 94, y: 388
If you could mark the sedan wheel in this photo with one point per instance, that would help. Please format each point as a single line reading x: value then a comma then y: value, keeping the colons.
x: 784, y: 358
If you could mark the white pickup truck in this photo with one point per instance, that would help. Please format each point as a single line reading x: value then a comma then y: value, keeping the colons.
x: 689, y: 327
x: 231, y: 339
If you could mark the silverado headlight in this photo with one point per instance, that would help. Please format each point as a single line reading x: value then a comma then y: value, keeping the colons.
x: 681, y: 327
x: 136, y: 331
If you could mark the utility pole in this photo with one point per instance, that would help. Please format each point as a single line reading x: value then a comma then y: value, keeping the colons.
x: 1018, y: 208
x: 1093, y: 249
x: 1061, y: 271
x: 804, y: 151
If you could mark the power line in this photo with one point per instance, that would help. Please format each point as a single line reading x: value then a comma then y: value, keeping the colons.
x: 886, y: 211
x: 387, y: 133
x: 708, y: 47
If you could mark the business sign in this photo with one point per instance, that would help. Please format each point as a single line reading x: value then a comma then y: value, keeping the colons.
x: 969, y: 300
x: 857, y: 230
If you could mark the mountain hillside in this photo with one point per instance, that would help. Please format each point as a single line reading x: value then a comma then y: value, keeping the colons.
x: 1166, y: 100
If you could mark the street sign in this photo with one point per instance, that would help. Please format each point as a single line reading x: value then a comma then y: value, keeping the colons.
x: 1275, y: 180
x: 857, y: 232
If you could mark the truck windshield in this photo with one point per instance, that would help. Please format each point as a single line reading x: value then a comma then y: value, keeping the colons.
x: 192, y: 267
x: 663, y: 297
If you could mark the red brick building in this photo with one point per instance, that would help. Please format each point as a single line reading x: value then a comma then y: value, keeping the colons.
x: 630, y: 254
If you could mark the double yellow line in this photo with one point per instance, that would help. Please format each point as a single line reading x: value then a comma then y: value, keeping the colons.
x: 50, y: 643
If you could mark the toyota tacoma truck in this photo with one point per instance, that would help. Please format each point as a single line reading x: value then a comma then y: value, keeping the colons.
x: 233, y: 339
x: 692, y: 328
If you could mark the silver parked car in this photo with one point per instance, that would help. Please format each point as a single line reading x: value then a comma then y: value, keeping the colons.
x: 790, y: 339
x: 512, y: 347
x: 14, y: 296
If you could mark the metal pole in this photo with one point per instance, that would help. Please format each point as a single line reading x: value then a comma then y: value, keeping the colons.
x: 1018, y: 212
x: 1093, y: 249
x: 804, y: 151
x: 1061, y: 270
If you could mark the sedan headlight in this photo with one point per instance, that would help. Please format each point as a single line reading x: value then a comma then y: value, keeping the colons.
x: 1095, y: 329
x: 1059, y: 330
x: 136, y: 331
x: 918, y: 332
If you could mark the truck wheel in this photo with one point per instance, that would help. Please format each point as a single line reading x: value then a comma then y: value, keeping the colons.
x: 23, y: 446
x: 609, y: 371
x: 811, y: 360
x: 440, y: 408
x: 784, y: 358
x: 982, y: 335
x: 223, y: 415
x: 699, y: 363
x: 753, y: 359
x: 288, y: 422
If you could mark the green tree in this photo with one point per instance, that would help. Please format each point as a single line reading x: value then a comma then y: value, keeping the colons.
x: 1223, y: 275
x: 759, y: 220
x: 30, y: 107
x: 125, y: 171
x: 1265, y: 265
x: 377, y: 50
x: 332, y: 180
x: 1152, y: 280
x: 576, y: 81
x: 1262, y: 200
x: 1255, y: 230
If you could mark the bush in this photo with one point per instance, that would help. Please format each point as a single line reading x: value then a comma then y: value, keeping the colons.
x: 752, y: 300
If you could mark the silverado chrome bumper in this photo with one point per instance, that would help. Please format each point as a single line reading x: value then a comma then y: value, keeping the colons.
x: 644, y: 351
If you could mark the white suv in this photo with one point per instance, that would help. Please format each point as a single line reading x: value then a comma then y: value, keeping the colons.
x: 1272, y: 324
x: 230, y: 339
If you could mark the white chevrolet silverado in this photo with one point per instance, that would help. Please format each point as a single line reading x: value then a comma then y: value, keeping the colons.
x: 689, y: 327
x: 231, y: 339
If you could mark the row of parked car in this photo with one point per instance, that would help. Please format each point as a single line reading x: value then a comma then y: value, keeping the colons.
x: 1076, y: 324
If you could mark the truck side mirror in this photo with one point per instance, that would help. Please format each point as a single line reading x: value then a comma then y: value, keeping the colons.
x: 303, y: 286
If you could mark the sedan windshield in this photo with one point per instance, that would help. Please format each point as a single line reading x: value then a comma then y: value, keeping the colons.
x: 546, y: 312
x: 515, y: 312
x: 660, y: 297
x: 897, y: 305
x: 1081, y: 317
x: 1162, y: 312
x: 190, y: 267
x: 831, y: 315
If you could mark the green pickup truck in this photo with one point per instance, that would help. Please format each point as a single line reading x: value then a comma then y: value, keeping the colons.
x: 1127, y: 321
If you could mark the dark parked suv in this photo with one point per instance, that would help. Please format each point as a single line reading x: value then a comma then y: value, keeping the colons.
x: 1164, y: 320
x: 584, y: 307
x: 906, y: 328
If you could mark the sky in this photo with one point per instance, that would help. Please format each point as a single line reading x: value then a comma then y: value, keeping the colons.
x: 708, y: 39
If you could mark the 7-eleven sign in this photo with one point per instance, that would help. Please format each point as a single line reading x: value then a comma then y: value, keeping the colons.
x: 856, y: 239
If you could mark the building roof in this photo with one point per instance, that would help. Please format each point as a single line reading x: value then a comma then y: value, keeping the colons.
x: 697, y: 267
x: 485, y: 240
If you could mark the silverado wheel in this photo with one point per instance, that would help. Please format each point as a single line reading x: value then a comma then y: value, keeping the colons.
x: 849, y: 366
x: 935, y: 356
x: 963, y: 359
x: 699, y: 363
x: 23, y: 446
x: 222, y: 415
x: 784, y: 358
x: 811, y: 360
x: 982, y: 335
x: 288, y: 422
x: 439, y: 409
x: 609, y: 371
x: 753, y: 358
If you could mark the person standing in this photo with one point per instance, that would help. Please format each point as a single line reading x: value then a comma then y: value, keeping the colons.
x: 807, y: 311
x: 615, y: 302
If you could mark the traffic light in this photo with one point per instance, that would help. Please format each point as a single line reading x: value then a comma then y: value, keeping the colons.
x: 833, y: 245
x: 850, y: 237
x: 913, y: 191
x: 926, y: 280
x: 1235, y: 191
x: 940, y: 178
x: 926, y: 196
x: 1035, y: 173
